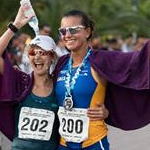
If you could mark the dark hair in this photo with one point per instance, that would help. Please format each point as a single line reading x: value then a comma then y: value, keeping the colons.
x: 86, y: 21
x: 41, y: 26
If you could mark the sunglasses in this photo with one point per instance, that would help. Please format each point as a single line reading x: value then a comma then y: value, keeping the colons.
x: 71, y: 30
x: 41, y: 52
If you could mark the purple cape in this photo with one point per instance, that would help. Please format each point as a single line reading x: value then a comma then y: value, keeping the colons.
x: 14, y: 87
x: 127, y: 95
x: 127, y: 92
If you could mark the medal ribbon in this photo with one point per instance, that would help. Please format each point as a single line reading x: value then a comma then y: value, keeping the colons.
x: 69, y: 84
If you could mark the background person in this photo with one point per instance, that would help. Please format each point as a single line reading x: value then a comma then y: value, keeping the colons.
x: 45, y: 29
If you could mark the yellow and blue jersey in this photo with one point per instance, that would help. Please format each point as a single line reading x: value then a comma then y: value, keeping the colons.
x: 87, y: 92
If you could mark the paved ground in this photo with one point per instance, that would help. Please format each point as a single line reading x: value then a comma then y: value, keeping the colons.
x: 130, y: 140
x: 119, y: 140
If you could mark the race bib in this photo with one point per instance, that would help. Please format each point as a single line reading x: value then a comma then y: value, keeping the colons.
x: 35, y: 123
x: 74, y: 124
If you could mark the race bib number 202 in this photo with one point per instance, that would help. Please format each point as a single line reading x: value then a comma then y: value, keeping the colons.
x: 35, y: 123
x: 74, y: 124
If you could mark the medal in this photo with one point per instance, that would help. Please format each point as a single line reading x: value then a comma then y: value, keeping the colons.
x: 68, y: 103
x: 71, y: 81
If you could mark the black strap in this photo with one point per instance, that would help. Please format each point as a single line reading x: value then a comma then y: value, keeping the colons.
x: 12, y: 27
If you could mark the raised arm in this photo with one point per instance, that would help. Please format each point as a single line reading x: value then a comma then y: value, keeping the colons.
x: 19, y: 22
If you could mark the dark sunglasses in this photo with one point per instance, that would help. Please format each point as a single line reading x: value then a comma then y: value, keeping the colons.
x: 41, y: 52
x: 71, y: 30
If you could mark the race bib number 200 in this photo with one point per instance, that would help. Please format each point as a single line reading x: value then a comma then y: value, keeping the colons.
x: 35, y: 123
x: 74, y: 124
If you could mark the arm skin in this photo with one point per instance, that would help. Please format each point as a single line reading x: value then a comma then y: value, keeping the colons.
x: 19, y: 22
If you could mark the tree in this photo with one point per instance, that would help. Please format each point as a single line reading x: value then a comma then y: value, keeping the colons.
x: 110, y: 16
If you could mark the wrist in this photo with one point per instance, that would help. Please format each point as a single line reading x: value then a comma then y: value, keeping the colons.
x: 17, y: 25
x: 12, y: 27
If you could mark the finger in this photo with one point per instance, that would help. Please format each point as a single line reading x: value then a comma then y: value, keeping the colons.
x: 16, y: 67
x: 94, y: 109
x: 95, y: 116
x: 96, y: 119
x: 102, y: 106
x: 21, y: 11
x: 95, y: 112
x: 99, y: 106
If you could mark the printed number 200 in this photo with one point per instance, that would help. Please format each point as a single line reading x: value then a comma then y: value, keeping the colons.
x: 71, y: 125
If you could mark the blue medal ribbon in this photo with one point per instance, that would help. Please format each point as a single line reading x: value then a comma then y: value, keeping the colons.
x: 70, y: 83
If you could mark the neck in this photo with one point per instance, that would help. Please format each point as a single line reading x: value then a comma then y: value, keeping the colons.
x: 78, y: 56
x: 44, y: 80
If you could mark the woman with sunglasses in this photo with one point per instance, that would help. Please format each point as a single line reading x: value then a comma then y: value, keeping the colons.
x: 28, y: 108
x: 80, y: 91
x: 81, y: 87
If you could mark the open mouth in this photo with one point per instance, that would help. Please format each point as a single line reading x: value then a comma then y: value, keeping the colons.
x: 39, y: 65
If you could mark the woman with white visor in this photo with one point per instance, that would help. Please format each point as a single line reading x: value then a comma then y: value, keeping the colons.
x: 33, y: 123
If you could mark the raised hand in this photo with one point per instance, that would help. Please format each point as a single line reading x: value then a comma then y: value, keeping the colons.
x: 21, y: 19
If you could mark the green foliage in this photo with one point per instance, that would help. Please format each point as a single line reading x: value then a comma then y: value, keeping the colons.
x: 110, y: 16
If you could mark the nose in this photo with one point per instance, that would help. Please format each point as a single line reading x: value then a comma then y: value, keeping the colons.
x: 37, y: 55
x: 67, y: 33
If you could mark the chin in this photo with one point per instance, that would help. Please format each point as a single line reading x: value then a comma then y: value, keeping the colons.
x: 71, y: 48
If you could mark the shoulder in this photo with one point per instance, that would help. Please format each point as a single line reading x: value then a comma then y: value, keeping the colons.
x: 98, y: 78
x: 63, y: 58
x: 61, y: 62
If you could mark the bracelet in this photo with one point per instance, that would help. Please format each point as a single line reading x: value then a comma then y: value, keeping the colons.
x: 12, y: 27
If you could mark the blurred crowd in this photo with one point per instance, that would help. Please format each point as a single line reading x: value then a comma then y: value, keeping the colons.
x: 111, y: 43
x: 19, y: 58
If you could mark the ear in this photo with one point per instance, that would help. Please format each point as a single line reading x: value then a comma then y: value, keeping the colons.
x: 55, y: 56
x: 88, y: 32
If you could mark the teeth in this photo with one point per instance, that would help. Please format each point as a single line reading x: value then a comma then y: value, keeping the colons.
x: 70, y: 41
x: 39, y: 66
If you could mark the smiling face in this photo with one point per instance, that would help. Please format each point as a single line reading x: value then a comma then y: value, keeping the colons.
x: 74, y: 40
x: 40, y: 60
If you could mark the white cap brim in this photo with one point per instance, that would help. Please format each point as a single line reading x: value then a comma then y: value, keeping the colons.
x: 45, y: 42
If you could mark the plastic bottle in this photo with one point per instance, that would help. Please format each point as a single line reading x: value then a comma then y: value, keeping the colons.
x: 29, y: 12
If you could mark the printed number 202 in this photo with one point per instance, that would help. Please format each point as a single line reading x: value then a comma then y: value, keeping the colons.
x: 34, y: 125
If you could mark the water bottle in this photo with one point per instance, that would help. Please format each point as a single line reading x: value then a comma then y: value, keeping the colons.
x: 29, y: 12
x: 34, y: 25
